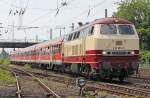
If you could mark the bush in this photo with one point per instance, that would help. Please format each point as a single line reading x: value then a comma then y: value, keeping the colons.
x: 145, y: 58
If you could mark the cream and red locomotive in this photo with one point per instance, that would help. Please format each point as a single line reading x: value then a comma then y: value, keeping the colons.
x: 104, y: 48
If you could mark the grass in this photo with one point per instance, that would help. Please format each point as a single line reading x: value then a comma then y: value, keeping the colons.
x: 100, y: 94
x: 126, y: 97
x: 4, y: 61
x: 6, y: 78
x: 103, y: 94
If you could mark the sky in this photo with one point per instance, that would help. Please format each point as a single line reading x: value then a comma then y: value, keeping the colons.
x: 42, y: 14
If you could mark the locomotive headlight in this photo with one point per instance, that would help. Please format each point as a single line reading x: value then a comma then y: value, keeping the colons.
x: 104, y: 52
x: 132, y: 52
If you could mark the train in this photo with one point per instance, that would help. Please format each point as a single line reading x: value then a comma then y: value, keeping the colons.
x: 105, y: 48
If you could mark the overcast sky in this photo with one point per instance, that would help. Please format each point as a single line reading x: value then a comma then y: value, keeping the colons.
x: 42, y: 14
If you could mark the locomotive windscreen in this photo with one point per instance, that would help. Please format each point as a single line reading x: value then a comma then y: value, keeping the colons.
x: 125, y: 29
x: 117, y: 29
x: 108, y: 29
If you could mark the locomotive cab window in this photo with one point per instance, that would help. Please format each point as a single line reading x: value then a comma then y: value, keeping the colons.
x: 108, y: 29
x: 126, y: 29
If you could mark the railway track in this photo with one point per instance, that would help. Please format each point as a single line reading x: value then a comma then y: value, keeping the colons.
x: 144, y: 80
x: 121, y: 89
x: 20, y: 93
x: 132, y: 89
x: 140, y: 90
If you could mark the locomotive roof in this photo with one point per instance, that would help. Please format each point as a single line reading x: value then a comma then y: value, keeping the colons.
x: 111, y: 21
x: 108, y: 20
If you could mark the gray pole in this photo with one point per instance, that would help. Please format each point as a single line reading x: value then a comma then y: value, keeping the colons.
x: 50, y: 34
x: 13, y: 30
x: 105, y: 13
x: 36, y: 38
x: 60, y: 32
x: 72, y: 26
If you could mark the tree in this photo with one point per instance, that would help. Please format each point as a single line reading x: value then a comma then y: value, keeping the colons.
x: 138, y: 12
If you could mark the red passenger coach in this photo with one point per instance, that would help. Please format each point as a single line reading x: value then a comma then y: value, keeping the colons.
x: 43, y: 54
x: 104, y: 48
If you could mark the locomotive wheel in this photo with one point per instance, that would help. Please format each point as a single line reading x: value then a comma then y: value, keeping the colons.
x: 85, y: 70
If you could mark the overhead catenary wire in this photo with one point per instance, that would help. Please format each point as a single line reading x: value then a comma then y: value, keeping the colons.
x: 87, y: 11
x: 49, y: 11
x: 62, y: 5
x: 90, y: 7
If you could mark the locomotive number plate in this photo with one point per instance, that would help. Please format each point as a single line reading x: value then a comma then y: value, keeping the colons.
x: 119, y: 43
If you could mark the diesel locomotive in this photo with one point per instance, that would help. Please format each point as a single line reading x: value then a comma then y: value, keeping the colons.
x: 104, y: 48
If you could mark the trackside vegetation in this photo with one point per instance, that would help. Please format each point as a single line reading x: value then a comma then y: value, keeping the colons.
x: 6, y: 77
x: 103, y: 94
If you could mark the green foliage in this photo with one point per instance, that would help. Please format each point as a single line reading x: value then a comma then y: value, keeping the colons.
x: 126, y: 96
x: 34, y: 78
x: 138, y: 12
x: 4, y: 61
x: 102, y: 94
x: 69, y: 97
x: 99, y: 94
x: 5, y: 77
x: 145, y: 58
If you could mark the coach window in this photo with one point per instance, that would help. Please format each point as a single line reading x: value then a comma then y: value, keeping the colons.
x: 59, y: 48
x: 50, y: 49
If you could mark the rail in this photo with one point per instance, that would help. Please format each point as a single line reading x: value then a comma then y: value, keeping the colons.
x: 42, y: 84
x: 18, y: 86
x: 119, y: 89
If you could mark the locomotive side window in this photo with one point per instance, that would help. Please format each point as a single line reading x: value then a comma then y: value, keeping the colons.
x: 108, y: 29
x: 66, y: 37
x: 76, y: 35
x: 125, y: 29
x: 91, y: 31
x: 70, y: 37
x: 84, y: 32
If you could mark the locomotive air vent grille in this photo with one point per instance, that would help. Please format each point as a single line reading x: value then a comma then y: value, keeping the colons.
x: 119, y: 43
